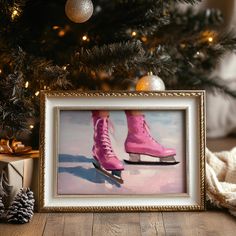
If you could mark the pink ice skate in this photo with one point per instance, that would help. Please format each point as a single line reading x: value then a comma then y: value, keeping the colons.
x: 140, y: 142
x: 105, y: 159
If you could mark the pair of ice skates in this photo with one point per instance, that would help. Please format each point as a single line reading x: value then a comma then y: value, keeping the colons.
x: 138, y: 142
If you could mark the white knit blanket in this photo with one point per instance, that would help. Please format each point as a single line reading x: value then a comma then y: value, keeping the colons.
x: 221, y: 179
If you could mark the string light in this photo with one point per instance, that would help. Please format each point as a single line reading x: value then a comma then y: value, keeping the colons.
x: 26, y: 84
x: 0, y: 71
x: 64, y: 67
x: 199, y: 55
x: 144, y: 39
x: 62, y: 30
x: 133, y: 33
x: 208, y: 36
x: 93, y: 73
x: 55, y: 27
x: 31, y: 126
x: 61, y: 33
x: 37, y: 93
x: 44, y: 87
x: 15, y: 13
x: 210, y: 39
x: 85, y: 38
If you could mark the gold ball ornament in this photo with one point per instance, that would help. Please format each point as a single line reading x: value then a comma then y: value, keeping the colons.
x: 150, y: 82
x: 79, y: 11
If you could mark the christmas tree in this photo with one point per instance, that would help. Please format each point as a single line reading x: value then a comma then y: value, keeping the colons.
x: 41, y: 48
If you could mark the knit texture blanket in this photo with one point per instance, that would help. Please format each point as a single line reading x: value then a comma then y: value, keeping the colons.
x: 221, y: 179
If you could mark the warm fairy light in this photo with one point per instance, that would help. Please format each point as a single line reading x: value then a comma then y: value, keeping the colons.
x: 31, y: 126
x: 55, y: 27
x: 198, y: 55
x: 14, y: 14
x: 144, y: 39
x: 61, y: 33
x: 208, y: 36
x: 93, y: 74
x: 26, y: 84
x: 210, y: 39
x: 64, y: 67
x: 37, y: 93
x: 44, y: 87
x: 85, y: 37
x: 133, y: 33
x: 0, y: 71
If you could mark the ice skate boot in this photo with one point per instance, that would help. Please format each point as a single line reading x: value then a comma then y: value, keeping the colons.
x: 140, y: 142
x: 106, y: 162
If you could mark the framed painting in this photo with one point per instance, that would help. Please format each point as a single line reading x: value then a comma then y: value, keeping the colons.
x: 122, y: 151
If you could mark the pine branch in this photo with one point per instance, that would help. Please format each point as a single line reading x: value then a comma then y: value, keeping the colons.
x: 180, y: 23
x: 205, y: 55
x: 109, y: 56
x: 158, y: 61
x: 11, y: 9
x: 57, y: 77
x: 196, y: 78
x: 151, y: 1
x: 217, y: 84
x: 155, y: 18
x: 227, y: 41
x: 144, y: 17
x: 15, y: 108
x: 129, y: 55
x: 187, y: 1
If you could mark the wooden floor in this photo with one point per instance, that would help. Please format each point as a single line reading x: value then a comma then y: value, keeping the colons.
x: 131, y: 224
x: 212, y: 223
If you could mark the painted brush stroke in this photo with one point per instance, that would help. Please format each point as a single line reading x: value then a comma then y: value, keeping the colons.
x: 76, y: 174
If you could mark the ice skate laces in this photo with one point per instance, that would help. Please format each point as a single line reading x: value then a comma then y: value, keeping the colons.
x: 147, y: 129
x: 102, y: 126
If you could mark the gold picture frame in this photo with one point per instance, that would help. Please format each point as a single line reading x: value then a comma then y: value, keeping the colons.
x: 192, y: 103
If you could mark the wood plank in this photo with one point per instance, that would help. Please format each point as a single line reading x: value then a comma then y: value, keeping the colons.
x: 33, y: 228
x: 116, y: 224
x: 78, y: 224
x: 152, y: 224
x: 199, y: 223
x: 219, y: 223
x: 181, y: 223
x: 54, y: 225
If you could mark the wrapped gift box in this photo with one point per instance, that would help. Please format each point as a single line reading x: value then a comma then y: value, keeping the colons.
x: 21, y: 171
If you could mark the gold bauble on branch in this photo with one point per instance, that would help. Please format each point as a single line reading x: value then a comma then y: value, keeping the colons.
x: 79, y: 11
x: 150, y: 82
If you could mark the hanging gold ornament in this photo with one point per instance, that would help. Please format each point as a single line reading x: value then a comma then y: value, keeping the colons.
x: 79, y: 11
x: 150, y: 82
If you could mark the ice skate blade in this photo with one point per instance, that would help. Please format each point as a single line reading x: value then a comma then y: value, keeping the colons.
x: 135, y: 159
x: 115, y: 176
x: 152, y: 163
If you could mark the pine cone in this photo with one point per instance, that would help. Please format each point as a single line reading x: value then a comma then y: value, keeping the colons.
x: 2, y: 208
x: 22, y: 208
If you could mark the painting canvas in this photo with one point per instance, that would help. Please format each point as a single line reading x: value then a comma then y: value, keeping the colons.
x: 109, y: 139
